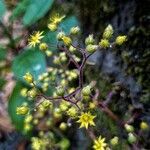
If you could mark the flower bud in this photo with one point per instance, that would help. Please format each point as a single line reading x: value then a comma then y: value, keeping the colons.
x: 28, y: 118
x: 144, y: 126
x: 86, y: 91
x: 46, y: 103
x: 32, y: 93
x: 108, y: 32
x: 131, y: 138
x: 23, y: 92
x: 52, y: 26
x: 43, y: 46
x: 74, y: 30
x: 67, y: 40
x: 92, y: 105
x: 22, y: 110
x: 60, y: 91
x: 89, y: 40
x: 28, y: 77
x: 63, y: 126
x: 91, y: 48
x: 72, y: 49
x: 129, y: 128
x: 56, y: 60
x: 121, y: 39
x: 48, y: 53
x: 114, y: 141
x: 104, y: 43
x: 60, y: 35
x: 72, y: 112
x: 27, y: 127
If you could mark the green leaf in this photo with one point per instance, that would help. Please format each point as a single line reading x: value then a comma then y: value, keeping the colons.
x: 36, y: 10
x: 20, y: 9
x: 16, y: 100
x: 68, y: 23
x: 2, y: 8
x: 31, y: 60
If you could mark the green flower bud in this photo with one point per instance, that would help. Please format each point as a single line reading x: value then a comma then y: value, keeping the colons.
x: 27, y: 127
x: 64, y: 144
x: 89, y: 40
x: 74, y: 30
x: 132, y: 138
x: 35, y: 121
x: 91, y: 48
x: 48, y: 53
x: 114, y: 141
x: 108, y: 32
x: 86, y: 91
x: 60, y: 35
x: 46, y: 103
x: 43, y: 46
x: 22, y: 110
x: 28, y: 118
x: 24, y: 92
x: 72, y: 49
x: 120, y: 40
x: 72, y: 112
x: 129, y: 128
x: 144, y: 126
x: 63, y: 59
x: 104, y: 43
x: 32, y: 93
x: 63, y: 126
x: 56, y: 60
x: 60, y: 91
x: 28, y: 77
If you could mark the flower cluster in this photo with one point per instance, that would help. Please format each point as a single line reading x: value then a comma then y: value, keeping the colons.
x: 68, y: 102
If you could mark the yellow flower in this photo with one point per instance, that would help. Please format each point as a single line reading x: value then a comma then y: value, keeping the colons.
x: 35, y: 38
x: 28, y: 77
x: 104, y: 43
x: 108, y: 32
x: 56, y: 18
x: 67, y: 40
x: 52, y: 26
x: 43, y: 46
x: 99, y: 144
x: 144, y: 125
x: 36, y: 143
x: 121, y: 39
x: 22, y: 110
x: 86, y: 119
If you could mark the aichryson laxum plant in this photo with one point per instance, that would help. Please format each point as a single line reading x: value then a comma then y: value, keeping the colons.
x: 78, y: 102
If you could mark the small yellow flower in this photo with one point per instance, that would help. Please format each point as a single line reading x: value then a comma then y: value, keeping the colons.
x: 67, y: 40
x: 22, y: 110
x: 57, y: 18
x: 72, y: 112
x: 104, y: 43
x: 144, y: 125
x: 52, y: 26
x: 28, y: 77
x: 36, y: 143
x: 99, y: 144
x: 121, y: 39
x: 35, y: 38
x: 108, y: 32
x: 43, y: 46
x: 86, y: 119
